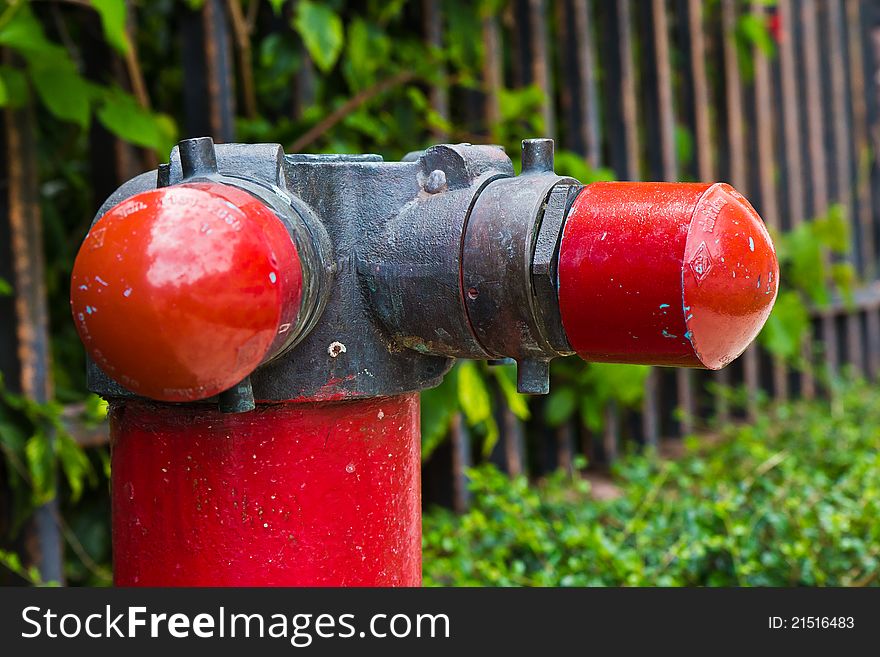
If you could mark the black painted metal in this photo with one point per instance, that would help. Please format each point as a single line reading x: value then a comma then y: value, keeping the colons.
x: 498, y: 251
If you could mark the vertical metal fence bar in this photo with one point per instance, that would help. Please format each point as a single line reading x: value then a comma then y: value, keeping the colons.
x: 460, y: 438
x: 208, y: 93
x: 845, y: 181
x: 702, y: 132
x: 588, y: 88
x: 568, y: 80
x: 816, y: 147
x: 438, y: 95
x: 493, y: 74
x: 766, y: 141
x: 665, y: 109
x: 221, y: 79
x: 629, y: 115
x: 538, y: 36
x: 611, y: 433
x: 564, y: 435
x: 737, y: 154
x: 31, y: 312
x: 792, y: 104
x: 861, y: 146
x: 513, y: 431
x: 733, y: 96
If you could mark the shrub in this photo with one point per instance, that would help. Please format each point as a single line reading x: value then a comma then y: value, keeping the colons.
x: 792, y: 499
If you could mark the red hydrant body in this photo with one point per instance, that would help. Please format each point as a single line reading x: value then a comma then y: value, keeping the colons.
x: 297, y: 494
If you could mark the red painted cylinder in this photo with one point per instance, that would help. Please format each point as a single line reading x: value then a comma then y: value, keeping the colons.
x: 178, y: 293
x: 675, y: 274
x: 296, y: 494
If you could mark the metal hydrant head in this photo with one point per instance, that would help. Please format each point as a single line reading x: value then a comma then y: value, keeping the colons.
x: 297, y: 277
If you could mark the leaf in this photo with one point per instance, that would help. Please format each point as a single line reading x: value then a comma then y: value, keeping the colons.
x: 753, y: 29
x: 802, y: 250
x: 473, y: 395
x: 560, y: 406
x: 592, y: 413
x: 95, y: 409
x: 464, y: 41
x: 74, y: 464
x: 123, y: 116
x: 622, y: 383
x: 832, y: 230
x: 5, y: 288
x: 787, y: 326
x: 391, y: 10
x: 41, y: 467
x: 277, y: 5
x: 571, y: 164
x: 25, y: 34
x: 506, y: 377
x: 684, y: 145
x: 63, y: 91
x: 112, y: 13
x: 13, y: 87
x: 367, y: 49
x: 12, y: 561
x: 438, y: 406
x: 844, y: 276
x: 321, y: 31
x: 476, y: 402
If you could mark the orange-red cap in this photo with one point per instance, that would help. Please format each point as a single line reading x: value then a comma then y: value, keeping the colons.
x: 179, y: 293
x: 674, y: 274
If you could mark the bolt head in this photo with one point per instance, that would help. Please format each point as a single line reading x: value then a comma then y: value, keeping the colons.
x: 436, y: 181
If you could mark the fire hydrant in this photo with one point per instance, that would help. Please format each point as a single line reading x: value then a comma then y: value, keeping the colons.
x: 262, y: 324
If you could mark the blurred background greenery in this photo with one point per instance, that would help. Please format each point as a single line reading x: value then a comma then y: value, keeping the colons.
x: 772, y: 492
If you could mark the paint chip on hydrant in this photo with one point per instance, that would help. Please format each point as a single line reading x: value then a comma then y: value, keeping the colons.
x: 335, y: 349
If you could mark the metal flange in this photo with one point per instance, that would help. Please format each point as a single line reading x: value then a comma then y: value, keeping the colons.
x: 498, y: 250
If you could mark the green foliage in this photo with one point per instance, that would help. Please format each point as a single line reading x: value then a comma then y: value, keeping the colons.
x: 788, y: 323
x: 808, y: 277
x: 35, y: 442
x: 572, y: 164
x: 12, y: 562
x: 587, y: 388
x: 752, y: 29
x: 505, y: 375
x: 752, y: 33
x: 63, y: 91
x: 475, y: 401
x: 13, y: 87
x: 53, y: 74
x: 560, y: 406
x: 321, y: 31
x: 439, y: 405
x: 112, y: 13
x: 276, y: 5
x: 468, y: 389
x: 120, y: 113
x: 793, y: 499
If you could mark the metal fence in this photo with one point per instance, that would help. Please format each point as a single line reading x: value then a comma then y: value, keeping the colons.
x: 624, y: 83
x: 795, y: 129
